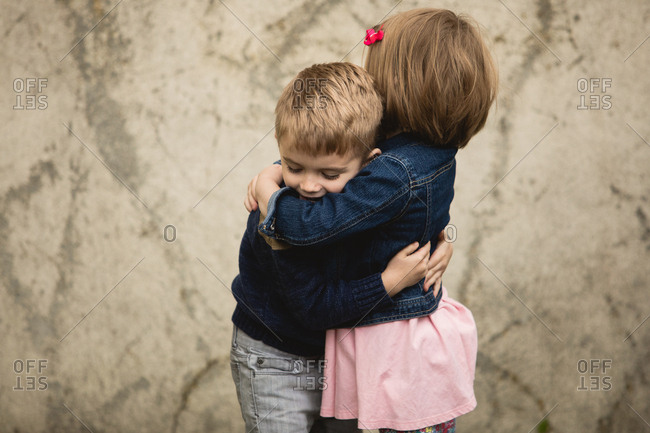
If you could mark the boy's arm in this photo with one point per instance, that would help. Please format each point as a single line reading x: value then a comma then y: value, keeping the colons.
x: 379, y: 193
x: 323, y: 303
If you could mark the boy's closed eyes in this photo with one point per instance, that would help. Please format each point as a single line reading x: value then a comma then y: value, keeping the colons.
x: 313, y: 176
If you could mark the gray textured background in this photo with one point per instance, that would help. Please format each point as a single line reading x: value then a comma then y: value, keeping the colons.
x: 159, y: 112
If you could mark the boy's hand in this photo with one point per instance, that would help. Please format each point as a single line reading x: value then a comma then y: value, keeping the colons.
x: 438, y: 263
x: 406, y: 268
x: 262, y: 187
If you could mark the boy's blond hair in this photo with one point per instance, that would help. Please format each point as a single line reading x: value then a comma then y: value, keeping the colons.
x: 436, y: 75
x: 330, y: 108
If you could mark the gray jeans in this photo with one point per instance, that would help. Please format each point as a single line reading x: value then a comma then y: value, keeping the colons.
x: 279, y: 392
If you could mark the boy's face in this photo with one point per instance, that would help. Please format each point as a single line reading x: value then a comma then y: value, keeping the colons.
x: 314, y: 176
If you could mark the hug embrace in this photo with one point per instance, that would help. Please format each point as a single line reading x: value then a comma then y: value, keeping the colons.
x: 342, y: 322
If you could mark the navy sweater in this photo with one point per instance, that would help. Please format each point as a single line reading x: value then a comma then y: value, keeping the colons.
x: 288, y: 298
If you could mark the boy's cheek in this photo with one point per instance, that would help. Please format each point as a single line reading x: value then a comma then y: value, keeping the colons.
x: 337, y: 188
x: 288, y: 179
x: 340, y: 184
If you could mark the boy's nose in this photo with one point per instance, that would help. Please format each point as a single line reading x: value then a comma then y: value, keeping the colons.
x: 309, y: 185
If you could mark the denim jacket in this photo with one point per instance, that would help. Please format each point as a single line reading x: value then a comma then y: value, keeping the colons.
x: 288, y: 298
x: 401, y: 196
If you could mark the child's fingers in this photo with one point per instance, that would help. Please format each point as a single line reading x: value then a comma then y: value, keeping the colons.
x: 247, y: 201
x: 426, y: 279
x: 424, y: 262
x: 250, y: 206
x: 436, y: 256
x: 424, y: 250
x: 409, y: 249
x: 437, y: 287
x: 443, y: 248
x: 420, y: 268
x: 427, y: 283
x: 434, y: 267
x: 433, y: 276
x: 250, y: 203
x: 433, y: 279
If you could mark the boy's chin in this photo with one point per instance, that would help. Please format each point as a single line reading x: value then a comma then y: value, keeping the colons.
x: 311, y: 199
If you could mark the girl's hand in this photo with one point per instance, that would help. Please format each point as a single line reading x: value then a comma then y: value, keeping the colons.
x: 438, y: 263
x: 406, y: 268
x: 262, y: 187
x: 250, y: 202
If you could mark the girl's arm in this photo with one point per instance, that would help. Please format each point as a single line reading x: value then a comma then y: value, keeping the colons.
x: 262, y: 187
x: 379, y: 193
x: 268, y: 181
x: 320, y: 302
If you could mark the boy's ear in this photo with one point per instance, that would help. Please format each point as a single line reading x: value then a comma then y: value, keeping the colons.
x: 374, y: 153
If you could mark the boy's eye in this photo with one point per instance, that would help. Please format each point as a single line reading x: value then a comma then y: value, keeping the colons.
x: 293, y: 170
x: 331, y: 176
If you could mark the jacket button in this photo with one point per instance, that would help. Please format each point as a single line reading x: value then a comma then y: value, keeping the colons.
x: 260, y: 361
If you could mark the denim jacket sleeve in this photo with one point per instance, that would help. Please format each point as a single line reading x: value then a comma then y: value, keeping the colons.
x: 319, y: 302
x: 376, y: 195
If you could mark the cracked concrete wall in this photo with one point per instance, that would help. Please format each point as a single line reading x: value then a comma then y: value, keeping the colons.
x: 130, y: 130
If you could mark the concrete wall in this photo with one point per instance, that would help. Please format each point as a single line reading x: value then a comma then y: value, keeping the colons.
x: 157, y: 113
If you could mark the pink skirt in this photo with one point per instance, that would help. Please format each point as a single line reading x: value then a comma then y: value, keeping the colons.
x: 403, y: 375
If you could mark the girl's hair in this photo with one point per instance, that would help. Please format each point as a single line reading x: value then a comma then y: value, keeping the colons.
x: 436, y: 75
x: 331, y: 108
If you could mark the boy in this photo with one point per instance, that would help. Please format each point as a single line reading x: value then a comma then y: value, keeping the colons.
x: 326, y: 124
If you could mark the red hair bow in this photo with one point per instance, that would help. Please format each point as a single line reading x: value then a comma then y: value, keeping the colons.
x: 373, y: 36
